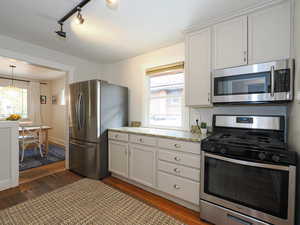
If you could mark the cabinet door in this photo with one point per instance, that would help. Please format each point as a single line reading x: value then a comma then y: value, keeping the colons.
x: 269, y: 34
x: 142, y: 164
x: 118, y: 158
x: 230, y: 43
x: 198, y: 68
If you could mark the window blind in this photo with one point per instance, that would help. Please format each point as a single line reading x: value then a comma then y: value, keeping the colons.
x: 173, y: 68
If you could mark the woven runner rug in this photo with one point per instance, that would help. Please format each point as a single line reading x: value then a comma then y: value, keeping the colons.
x: 85, y: 202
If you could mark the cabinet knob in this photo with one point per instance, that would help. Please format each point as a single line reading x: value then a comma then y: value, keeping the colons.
x: 177, y: 145
x: 116, y: 136
x: 177, y: 158
x: 176, y: 186
x: 176, y: 170
x: 141, y: 140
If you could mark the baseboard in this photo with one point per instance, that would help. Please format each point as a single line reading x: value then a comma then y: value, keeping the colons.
x: 162, y: 194
x: 57, y: 141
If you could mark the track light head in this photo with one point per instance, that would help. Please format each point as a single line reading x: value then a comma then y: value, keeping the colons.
x: 79, y: 18
x: 61, y: 32
x: 112, y: 4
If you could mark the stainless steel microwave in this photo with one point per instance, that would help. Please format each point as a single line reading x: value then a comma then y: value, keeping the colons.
x: 257, y: 83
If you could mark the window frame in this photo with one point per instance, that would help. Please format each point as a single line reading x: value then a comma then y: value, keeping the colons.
x: 184, y: 108
x: 28, y: 103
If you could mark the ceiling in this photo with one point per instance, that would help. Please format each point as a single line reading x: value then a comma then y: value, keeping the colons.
x: 107, y: 35
x: 29, y: 71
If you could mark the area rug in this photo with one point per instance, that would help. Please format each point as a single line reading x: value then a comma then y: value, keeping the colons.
x: 85, y: 202
x: 32, y: 157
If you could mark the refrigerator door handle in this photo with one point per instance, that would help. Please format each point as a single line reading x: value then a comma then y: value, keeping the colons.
x: 78, y: 113
x: 82, y: 112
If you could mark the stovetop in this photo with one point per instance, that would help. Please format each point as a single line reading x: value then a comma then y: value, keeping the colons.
x: 257, y: 146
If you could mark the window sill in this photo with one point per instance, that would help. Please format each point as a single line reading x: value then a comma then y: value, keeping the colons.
x: 167, y: 128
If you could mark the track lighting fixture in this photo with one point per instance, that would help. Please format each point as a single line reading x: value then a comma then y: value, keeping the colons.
x: 79, y: 19
x: 61, y: 32
x: 112, y: 4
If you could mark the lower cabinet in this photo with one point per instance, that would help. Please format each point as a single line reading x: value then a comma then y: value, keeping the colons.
x: 179, y: 187
x: 175, y: 173
x: 142, y: 164
x: 118, y: 158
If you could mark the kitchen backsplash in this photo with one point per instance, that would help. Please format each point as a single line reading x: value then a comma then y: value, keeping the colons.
x: 205, y: 114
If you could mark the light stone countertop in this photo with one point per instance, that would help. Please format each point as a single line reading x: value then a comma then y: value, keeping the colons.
x: 173, y: 134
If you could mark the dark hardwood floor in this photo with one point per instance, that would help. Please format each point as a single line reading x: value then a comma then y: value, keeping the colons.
x: 42, y: 171
x: 37, y: 187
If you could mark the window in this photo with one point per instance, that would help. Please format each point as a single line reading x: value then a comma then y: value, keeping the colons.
x: 166, y: 107
x: 13, y: 100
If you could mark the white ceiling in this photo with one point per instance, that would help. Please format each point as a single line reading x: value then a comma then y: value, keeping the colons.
x: 138, y: 26
x: 29, y: 71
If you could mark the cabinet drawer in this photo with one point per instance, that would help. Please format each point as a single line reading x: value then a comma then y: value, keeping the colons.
x: 141, y: 139
x: 180, y: 158
x: 180, y: 145
x: 178, y: 170
x: 118, y: 136
x: 179, y: 187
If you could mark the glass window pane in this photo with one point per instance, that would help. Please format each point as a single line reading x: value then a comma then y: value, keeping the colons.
x: 13, y: 100
x: 166, y: 100
x: 168, y: 85
x: 166, y: 112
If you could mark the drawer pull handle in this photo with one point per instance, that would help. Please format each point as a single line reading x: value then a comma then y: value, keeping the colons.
x: 141, y: 140
x: 176, y: 170
x: 176, y: 186
x: 177, y: 145
x: 177, y: 158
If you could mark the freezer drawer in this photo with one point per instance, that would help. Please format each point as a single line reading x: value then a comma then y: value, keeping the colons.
x: 85, y: 158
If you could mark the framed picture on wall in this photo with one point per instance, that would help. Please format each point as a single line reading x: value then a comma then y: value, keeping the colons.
x: 43, y: 99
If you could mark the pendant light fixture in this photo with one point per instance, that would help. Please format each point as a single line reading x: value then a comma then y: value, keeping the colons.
x: 12, y: 85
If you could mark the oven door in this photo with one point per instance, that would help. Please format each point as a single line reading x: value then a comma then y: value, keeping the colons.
x: 266, y: 82
x: 262, y: 191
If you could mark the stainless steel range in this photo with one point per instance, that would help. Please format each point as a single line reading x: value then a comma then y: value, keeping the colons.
x: 248, y: 174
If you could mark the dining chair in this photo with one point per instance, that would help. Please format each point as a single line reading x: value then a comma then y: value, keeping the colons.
x: 30, y: 136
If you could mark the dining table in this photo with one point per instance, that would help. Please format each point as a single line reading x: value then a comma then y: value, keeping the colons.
x: 44, y: 130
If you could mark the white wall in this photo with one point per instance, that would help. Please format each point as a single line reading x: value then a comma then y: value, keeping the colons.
x: 58, y: 113
x: 84, y: 69
x: 294, y: 125
x: 54, y: 115
x: 131, y: 73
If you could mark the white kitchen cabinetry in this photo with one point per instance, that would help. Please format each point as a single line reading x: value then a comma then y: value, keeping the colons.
x: 142, y: 164
x: 165, y: 166
x: 198, y: 68
x: 118, y: 157
x: 9, y: 155
x: 230, y: 43
x: 269, y: 34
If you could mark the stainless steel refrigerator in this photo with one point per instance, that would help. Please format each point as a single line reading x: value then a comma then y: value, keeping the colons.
x: 95, y: 106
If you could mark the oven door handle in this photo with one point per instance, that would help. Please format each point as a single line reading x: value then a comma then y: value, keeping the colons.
x: 247, y: 163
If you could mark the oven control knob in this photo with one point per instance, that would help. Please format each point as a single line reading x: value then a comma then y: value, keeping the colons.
x: 276, y: 158
x: 223, y: 150
x: 261, y: 156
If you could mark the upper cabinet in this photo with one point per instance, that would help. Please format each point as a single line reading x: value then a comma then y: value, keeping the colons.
x: 270, y: 34
x: 230, y: 43
x: 198, y: 68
